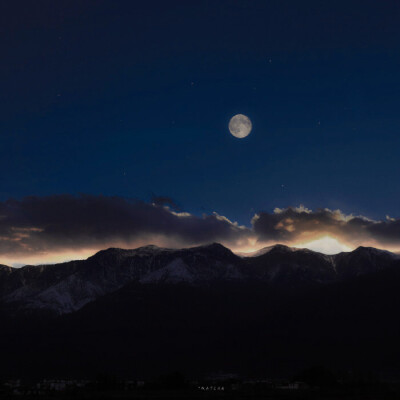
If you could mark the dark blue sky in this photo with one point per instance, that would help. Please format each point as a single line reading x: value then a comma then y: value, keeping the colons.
x: 133, y: 99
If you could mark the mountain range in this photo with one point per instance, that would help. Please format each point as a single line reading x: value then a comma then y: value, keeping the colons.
x: 199, y: 310
x: 67, y: 287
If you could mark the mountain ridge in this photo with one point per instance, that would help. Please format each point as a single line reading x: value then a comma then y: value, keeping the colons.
x: 67, y: 287
x: 255, y: 253
x: 149, y: 311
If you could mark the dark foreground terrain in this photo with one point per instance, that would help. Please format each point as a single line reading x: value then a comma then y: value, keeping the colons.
x: 385, y: 392
x: 285, y: 312
x: 317, y: 383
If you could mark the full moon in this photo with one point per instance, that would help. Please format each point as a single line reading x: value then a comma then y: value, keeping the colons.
x: 240, y: 126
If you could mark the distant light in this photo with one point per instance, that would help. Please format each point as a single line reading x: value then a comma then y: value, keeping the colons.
x: 326, y: 245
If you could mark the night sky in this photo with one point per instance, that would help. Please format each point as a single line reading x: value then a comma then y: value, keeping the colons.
x: 131, y: 100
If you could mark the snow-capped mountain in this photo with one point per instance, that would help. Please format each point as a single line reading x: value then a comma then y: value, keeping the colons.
x: 67, y: 287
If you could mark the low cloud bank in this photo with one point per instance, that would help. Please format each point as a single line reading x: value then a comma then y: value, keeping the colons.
x: 37, y: 226
x: 301, y: 224
x: 58, y: 223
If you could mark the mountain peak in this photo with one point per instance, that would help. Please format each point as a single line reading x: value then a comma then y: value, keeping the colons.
x: 69, y: 286
x: 282, y: 247
x: 214, y: 248
x: 276, y: 248
x: 371, y: 250
x: 116, y: 251
x: 213, y: 245
x: 150, y: 247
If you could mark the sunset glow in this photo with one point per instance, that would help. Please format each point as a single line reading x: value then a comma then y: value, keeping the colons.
x: 325, y: 244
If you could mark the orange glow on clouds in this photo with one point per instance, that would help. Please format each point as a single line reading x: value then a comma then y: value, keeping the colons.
x: 325, y: 244
x: 322, y: 244
x: 47, y: 258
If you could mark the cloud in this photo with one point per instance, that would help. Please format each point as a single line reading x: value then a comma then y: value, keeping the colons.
x: 35, y: 227
x: 58, y: 223
x: 165, y: 201
x: 299, y: 224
